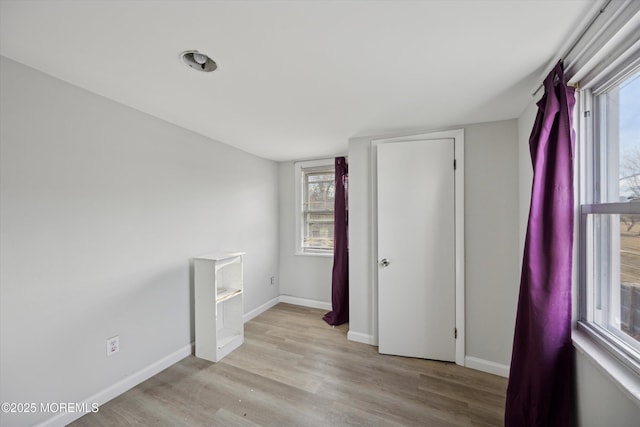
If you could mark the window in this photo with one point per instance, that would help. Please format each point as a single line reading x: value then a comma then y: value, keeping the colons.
x: 610, y: 213
x: 315, y: 182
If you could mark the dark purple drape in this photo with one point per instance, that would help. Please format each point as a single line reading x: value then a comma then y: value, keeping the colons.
x: 540, y: 380
x: 340, y: 276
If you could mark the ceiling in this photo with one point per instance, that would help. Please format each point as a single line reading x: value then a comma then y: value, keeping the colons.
x: 297, y: 79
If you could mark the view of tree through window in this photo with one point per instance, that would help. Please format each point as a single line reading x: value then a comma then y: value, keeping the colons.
x: 318, y: 207
x: 628, y: 129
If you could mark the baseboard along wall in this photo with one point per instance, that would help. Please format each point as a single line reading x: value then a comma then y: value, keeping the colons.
x: 305, y: 302
x: 115, y: 390
x: 486, y: 366
x: 142, y: 375
x: 363, y: 338
x: 260, y: 309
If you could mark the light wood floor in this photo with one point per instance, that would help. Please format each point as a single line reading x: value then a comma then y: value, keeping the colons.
x: 295, y: 370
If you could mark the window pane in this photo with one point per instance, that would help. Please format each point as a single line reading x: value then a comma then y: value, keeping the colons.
x: 318, y: 206
x: 615, y: 265
x: 319, y: 231
x: 621, y: 132
x: 630, y: 275
x: 320, y: 191
x: 321, y: 176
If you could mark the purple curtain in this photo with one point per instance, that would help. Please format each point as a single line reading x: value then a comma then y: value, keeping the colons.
x: 540, y: 381
x: 340, y: 276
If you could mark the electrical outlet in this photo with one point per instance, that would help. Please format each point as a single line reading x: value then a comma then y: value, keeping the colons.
x: 113, y: 345
x: 273, y: 280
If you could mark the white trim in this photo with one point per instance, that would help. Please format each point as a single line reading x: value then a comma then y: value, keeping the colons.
x: 362, y: 338
x: 487, y: 366
x: 325, y: 254
x: 149, y: 371
x: 612, y: 52
x: 298, y: 167
x: 260, y: 309
x: 458, y: 136
x: 287, y: 299
x: 120, y: 387
x: 305, y: 302
x: 460, y: 263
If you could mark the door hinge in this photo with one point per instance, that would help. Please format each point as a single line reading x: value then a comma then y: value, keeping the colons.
x: 455, y: 333
x: 455, y: 165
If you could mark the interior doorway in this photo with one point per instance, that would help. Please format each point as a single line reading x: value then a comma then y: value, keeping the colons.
x: 419, y: 245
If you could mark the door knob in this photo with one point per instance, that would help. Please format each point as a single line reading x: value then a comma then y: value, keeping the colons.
x: 384, y: 262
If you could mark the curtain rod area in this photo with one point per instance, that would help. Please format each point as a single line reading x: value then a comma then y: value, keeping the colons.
x: 578, y: 39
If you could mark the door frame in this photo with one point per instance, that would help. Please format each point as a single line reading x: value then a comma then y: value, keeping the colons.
x: 458, y: 140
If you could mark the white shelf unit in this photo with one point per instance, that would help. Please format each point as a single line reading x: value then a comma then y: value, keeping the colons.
x: 218, y: 304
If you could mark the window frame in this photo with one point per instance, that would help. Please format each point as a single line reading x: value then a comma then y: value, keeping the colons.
x: 300, y: 169
x: 594, y: 200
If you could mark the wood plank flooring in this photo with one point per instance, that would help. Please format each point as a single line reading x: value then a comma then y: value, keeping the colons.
x: 295, y: 370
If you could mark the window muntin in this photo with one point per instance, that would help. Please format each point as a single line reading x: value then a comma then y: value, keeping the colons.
x: 610, y: 218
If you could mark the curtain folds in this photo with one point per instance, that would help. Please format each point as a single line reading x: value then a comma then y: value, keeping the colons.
x: 340, y: 275
x: 540, y: 382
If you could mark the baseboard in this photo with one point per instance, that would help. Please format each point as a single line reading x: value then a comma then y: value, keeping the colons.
x: 288, y: 299
x: 260, y: 309
x: 120, y: 387
x: 486, y: 366
x: 305, y: 302
x: 359, y: 337
x: 147, y: 372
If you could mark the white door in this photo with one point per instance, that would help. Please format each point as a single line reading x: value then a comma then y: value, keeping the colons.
x: 416, y: 249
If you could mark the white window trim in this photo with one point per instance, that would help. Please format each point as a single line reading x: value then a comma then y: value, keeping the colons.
x: 589, y: 339
x: 617, y: 47
x: 299, y: 167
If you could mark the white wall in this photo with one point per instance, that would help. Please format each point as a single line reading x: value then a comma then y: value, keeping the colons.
x: 491, y: 227
x: 301, y: 276
x: 599, y: 402
x: 525, y: 169
x: 101, y: 209
x: 491, y: 253
x: 363, y: 298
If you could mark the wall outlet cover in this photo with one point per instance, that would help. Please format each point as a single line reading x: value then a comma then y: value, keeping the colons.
x: 113, y: 345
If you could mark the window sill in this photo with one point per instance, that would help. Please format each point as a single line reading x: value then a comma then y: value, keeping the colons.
x: 316, y: 254
x: 626, y: 380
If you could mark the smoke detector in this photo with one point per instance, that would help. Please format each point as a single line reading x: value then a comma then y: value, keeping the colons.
x: 198, y: 61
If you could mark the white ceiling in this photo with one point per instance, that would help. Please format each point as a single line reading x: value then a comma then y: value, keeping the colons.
x: 296, y: 79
